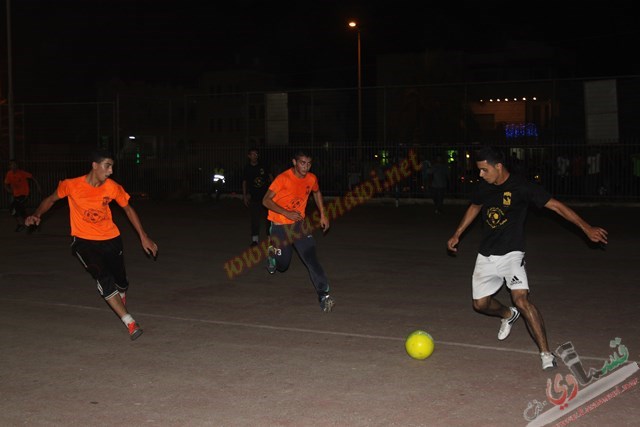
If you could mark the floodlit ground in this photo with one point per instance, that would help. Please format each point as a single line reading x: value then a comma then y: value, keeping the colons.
x: 256, y: 350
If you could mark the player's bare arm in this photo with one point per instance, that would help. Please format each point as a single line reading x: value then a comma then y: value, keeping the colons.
x: 245, y: 195
x: 148, y: 245
x: 324, y: 221
x: 595, y: 234
x: 469, y: 216
x: 45, y: 205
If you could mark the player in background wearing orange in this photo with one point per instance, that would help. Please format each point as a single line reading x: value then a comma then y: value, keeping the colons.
x: 286, y: 199
x: 16, y: 182
x: 96, y: 238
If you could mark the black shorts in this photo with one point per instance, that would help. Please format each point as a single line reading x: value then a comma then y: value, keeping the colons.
x: 104, y: 260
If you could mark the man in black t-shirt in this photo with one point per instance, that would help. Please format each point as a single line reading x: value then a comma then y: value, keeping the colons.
x: 504, y: 199
x: 255, y: 182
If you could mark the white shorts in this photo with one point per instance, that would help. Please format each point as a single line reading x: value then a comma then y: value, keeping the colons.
x: 494, y: 271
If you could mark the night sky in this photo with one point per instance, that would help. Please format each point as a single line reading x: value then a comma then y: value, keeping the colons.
x: 61, y: 48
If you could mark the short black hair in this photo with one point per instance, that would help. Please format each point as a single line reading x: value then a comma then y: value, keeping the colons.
x: 253, y: 149
x: 302, y: 153
x: 492, y: 155
x: 99, y: 154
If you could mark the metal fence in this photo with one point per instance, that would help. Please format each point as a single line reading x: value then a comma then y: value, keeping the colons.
x: 595, y: 173
x: 579, y: 142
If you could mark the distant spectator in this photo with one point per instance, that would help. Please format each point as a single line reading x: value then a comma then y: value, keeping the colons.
x: 562, y: 174
x: 438, y: 181
x: 516, y: 165
x: 255, y: 182
x: 426, y: 177
x: 577, y: 174
x: 16, y: 182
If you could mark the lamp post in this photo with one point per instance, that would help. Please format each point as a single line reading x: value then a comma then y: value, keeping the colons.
x: 10, y: 84
x: 354, y: 25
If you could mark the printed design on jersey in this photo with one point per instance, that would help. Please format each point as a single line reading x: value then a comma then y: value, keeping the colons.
x: 495, y: 217
x: 94, y: 215
x: 506, y: 198
x: 294, y: 205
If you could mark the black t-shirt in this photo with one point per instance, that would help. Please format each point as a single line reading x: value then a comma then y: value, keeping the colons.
x: 257, y: 179
x: 504, y: 211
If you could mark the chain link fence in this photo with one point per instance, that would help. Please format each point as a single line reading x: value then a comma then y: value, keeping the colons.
x: 578, y: 138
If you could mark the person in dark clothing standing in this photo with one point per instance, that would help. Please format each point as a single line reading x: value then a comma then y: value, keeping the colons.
x: 255, y: 182
x: 439, y: 181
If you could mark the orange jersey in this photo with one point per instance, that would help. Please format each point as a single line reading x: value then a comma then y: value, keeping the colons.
x: 89, y: 207
x: 292, y: 193
x: 19, y: 182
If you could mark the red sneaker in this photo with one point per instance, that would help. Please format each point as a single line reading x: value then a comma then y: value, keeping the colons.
x: 134, y: 330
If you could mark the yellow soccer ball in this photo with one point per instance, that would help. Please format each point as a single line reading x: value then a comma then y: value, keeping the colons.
x: 419, y: 345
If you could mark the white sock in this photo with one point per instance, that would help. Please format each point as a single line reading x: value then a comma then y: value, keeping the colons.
x: 127, y: 318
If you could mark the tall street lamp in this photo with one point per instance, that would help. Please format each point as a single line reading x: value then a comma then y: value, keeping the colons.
x: 354, y: 25
x: 10, y: 84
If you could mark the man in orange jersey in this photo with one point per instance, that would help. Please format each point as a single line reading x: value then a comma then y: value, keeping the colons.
x: 286, y: 199
x: 16, y: 182
x: 96, y: 238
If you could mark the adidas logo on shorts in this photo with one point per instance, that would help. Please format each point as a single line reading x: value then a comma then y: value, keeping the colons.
x: 515, y: 281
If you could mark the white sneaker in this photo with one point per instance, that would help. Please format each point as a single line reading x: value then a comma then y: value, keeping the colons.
x: 548, y: 360
x: 505, y: 326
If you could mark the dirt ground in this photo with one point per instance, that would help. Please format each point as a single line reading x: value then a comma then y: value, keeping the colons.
x: 256, y: 350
